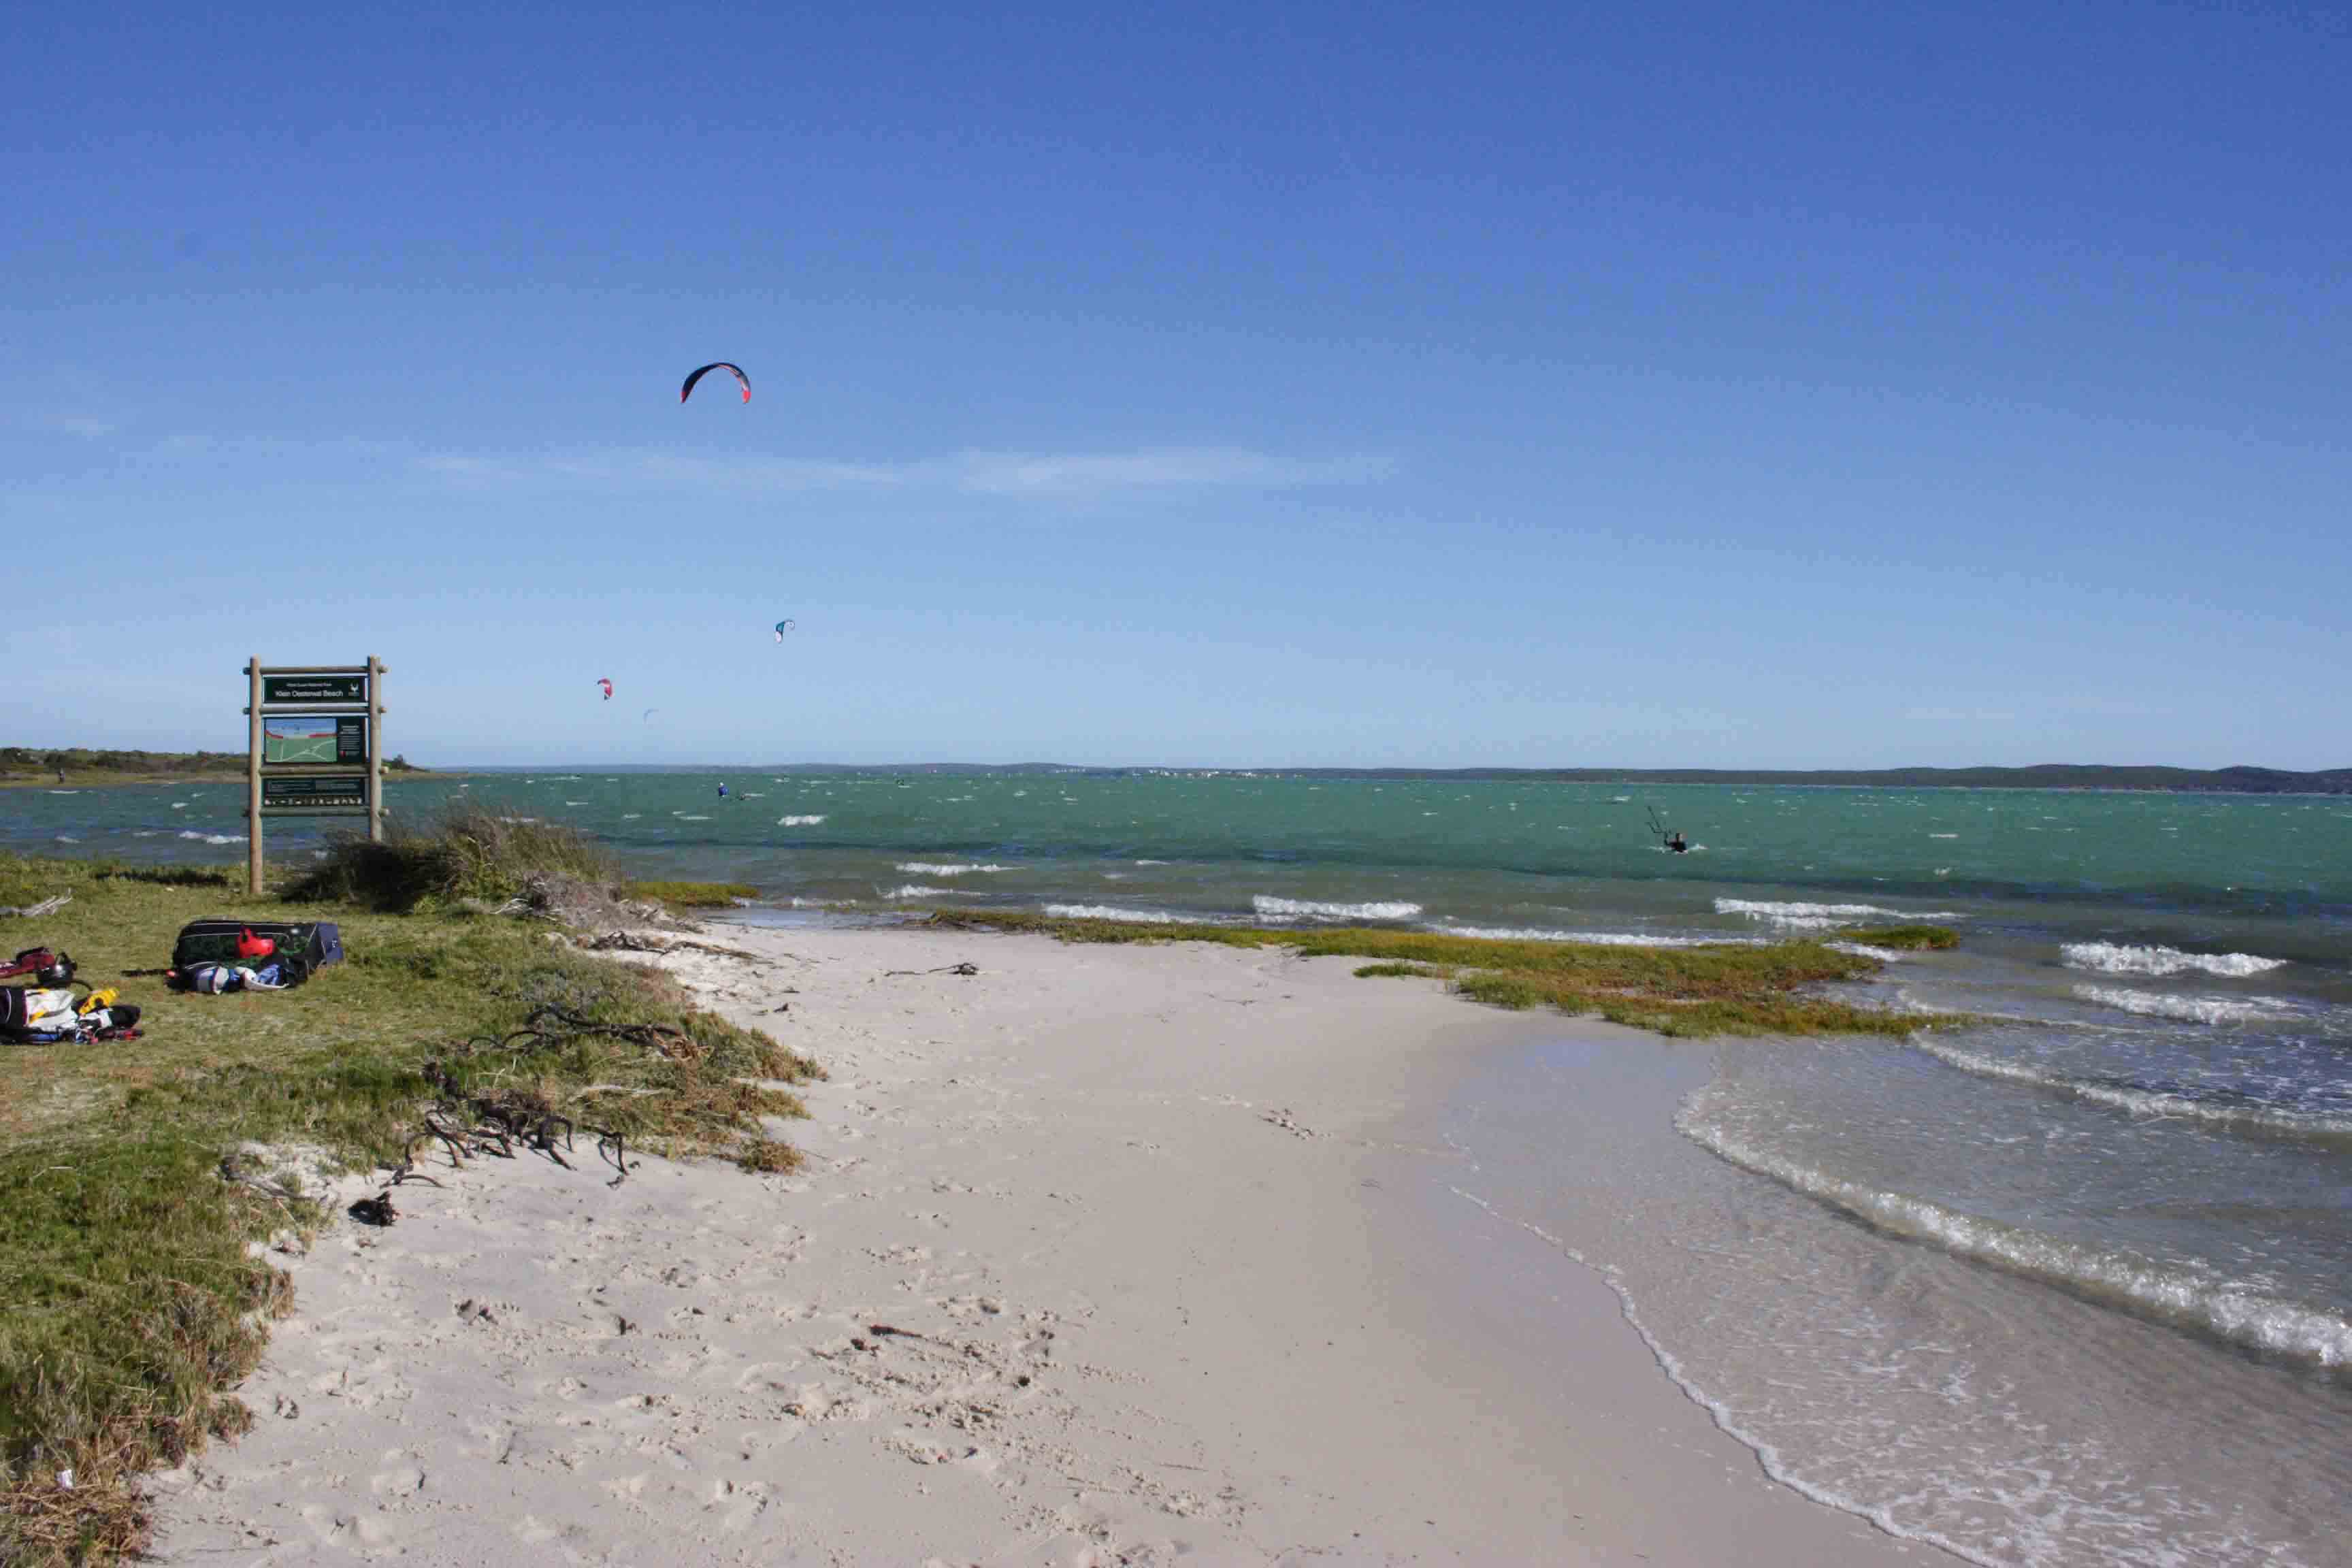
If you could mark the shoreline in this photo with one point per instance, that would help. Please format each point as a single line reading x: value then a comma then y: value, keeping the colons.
x: 1102, y: 1254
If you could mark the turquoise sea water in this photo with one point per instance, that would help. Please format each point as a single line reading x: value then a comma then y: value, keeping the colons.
x: 1972, y: 1278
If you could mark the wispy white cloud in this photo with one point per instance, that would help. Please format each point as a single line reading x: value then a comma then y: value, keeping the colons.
x: 1040, y: 474
x: 1159, y: 468
x: 645, y: 466
x: 88, y: 430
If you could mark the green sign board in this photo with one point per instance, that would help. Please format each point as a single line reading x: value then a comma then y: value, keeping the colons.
x: 315, y: 739
x: 316, y: 792
x: 313, y: 688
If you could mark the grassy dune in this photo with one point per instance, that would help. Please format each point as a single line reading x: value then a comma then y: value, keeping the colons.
x: 1733, y: 989
x: 129, y: 1293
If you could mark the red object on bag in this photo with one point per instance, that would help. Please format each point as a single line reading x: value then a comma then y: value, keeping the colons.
x: 251, y: 946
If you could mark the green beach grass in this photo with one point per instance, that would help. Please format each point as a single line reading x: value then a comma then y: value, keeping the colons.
x: 132, y: 1291
x: 1732, y: 989
x: 694, y: 895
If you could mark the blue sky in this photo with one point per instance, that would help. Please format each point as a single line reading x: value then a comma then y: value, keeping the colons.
x: 1657, y: 385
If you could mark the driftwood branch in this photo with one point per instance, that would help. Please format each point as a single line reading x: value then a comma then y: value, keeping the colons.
x: 631, y: 942
x: 35, y: 911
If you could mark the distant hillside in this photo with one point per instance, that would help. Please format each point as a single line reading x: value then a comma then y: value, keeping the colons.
x: 2047, y: 775
x: 31, y: 764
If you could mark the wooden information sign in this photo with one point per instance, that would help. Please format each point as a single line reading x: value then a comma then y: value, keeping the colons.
x: 316, y: 747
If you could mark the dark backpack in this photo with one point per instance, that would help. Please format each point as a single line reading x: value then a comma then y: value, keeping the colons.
x: 302, y: 947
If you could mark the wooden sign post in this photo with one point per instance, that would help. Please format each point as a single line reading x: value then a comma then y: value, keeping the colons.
x: 314, y: 747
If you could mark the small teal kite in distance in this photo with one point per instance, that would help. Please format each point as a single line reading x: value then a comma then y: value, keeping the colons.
x: 781, y: 627
x: 686, y: 391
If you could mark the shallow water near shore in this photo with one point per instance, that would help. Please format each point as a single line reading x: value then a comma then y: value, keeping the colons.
x: 2072, y: 1283
x: 1973, y: 1407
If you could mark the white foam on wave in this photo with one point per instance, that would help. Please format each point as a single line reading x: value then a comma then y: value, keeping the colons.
x: 630, y: 815
x: 1799, y: 915
x: 2123, y: 958
x: 1594, y: 938
x: 2219, y: 1307
x: 689, y: 816
x: 145, y: 832
x: 2149, y: 1104
x: 946, y: 868
x: 1110, y: 913
x: 213, y: 837
x: 575, y: 803
x: 1864, y: 949
x: 1151, y: 862
x: 919, y: 890
x: 67, y: 838
x: 801, y: 821
x: 2185, y: 1009
x: 1315, y: 909
x: 65, y: 791
x: 179, y: 805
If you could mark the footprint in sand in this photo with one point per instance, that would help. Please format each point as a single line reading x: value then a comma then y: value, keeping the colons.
x: 402, y: 1475
x: 1288, y: 1123
x: 347, y: 1532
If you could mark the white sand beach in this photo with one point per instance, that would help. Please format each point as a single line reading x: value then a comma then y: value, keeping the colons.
x: 1099, y: 1256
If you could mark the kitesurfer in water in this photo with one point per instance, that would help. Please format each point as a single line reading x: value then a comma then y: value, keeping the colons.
x: 722, y: 792
x: 1673, y: 841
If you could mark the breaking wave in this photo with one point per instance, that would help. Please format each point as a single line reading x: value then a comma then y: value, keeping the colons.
x: 2170, y: 1292
x: 918, y: 890
x: 2187, y: 1009
x: 213, y: 837
x: 1309, y: 909
x: 808, y: 821
x: 945, y: 869
x: 2121, y: 958
x: 1110, y: 913
x: 1801, y: 916
x: 1595, y: 938
x: 2136, y: 1100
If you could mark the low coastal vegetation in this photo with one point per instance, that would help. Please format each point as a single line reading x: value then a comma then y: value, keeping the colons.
x: 85, y: 766
x: 136, y: 1216
x: 694, y: 895
x: 1731, y: 989
x: 470, y: 859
